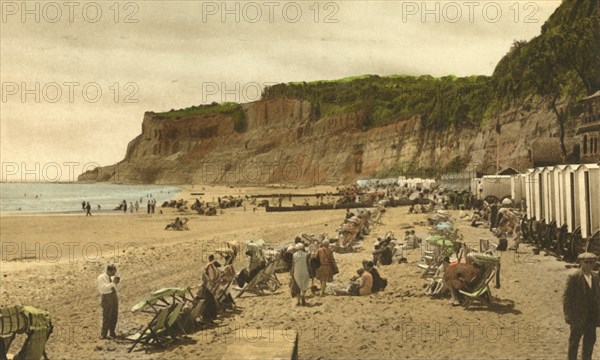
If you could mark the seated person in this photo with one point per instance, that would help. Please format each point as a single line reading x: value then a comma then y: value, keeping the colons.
x: 176, y: 225
x: 409, y: 241
x: 364, y: 286
x: 354, y: 285
x: 378, y: 283
x: 416, y: 240
x: 476, y: 220
x: 382, y: 251
x: 437, y: 283
x: 387, y: 254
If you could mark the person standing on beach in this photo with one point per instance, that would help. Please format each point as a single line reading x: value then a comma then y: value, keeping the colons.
x: 83, y: 205
x: 107, y: 287
x: 88, y: 209
x: 327, y: 262
x: 300, y: 272
x: 581, y: 306
x: 137, y: 206
x: 124, y: 206
x: 131, y: 207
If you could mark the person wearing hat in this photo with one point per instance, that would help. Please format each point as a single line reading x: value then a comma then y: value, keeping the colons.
x: 288, y: 256
x: 325, y: 271
x: 300, y: 273
x: 581, y: 306
x: 107, y: 287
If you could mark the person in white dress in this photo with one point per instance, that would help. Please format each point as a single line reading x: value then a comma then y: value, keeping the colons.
x: 300, y: 272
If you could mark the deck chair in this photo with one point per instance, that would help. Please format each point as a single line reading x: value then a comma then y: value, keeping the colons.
x: 266, y: 279
x: 34, y: 322
x: 482, y: 290
x: 166, y: 305
x: 184, y: 222
x: 433, y: 251
x: 150, y: 333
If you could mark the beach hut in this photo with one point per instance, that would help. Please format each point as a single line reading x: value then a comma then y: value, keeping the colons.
x: 517, y: 190
x: 547, y: 180
x: 559, y: 195
x: 537, y: 193
x: 529, y: 194
x: 571, y: 196
x: 498, y: 186
x: 588, y: 198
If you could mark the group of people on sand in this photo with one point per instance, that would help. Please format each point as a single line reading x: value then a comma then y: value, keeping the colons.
x: 307, y: 264
x: 388, y: 250
x: 368, y: 281
x: 123, y: 206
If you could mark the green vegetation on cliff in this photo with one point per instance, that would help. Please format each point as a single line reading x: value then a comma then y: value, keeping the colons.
x: 563, y: 63
x: 557, y: 68
x: 234, y: 110
x: 441, y: 101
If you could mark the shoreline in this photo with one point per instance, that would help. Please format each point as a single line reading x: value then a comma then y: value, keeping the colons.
x: 73, y: 202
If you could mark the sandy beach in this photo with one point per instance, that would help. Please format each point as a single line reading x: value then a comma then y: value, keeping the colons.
x: 52, y: 262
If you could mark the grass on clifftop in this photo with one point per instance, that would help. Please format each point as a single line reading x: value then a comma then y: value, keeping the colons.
x: 440, y: 101
x: 234, y: 110
x: 561, y: 64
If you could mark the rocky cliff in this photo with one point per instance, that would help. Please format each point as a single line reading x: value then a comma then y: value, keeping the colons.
x: 283, y: 143
x: 338, y: 131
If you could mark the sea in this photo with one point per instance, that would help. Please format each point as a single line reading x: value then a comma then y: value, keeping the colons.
x: 43, y: 198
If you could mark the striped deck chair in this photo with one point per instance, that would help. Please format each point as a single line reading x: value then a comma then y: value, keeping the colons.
x: 266, y: 279
x: 12, y: 321
x: 20, y: 319
x: 482, y: 290
x: 166, y: 305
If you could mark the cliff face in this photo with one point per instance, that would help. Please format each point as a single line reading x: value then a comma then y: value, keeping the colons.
x: 284, y: 144
x: 282, y: 139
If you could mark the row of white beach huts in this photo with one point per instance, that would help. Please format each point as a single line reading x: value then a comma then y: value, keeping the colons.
x: 565, y: 194
x: 556, y: 198
x: 562, y: 196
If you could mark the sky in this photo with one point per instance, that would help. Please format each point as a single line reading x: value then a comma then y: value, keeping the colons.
x: 76, y: 77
